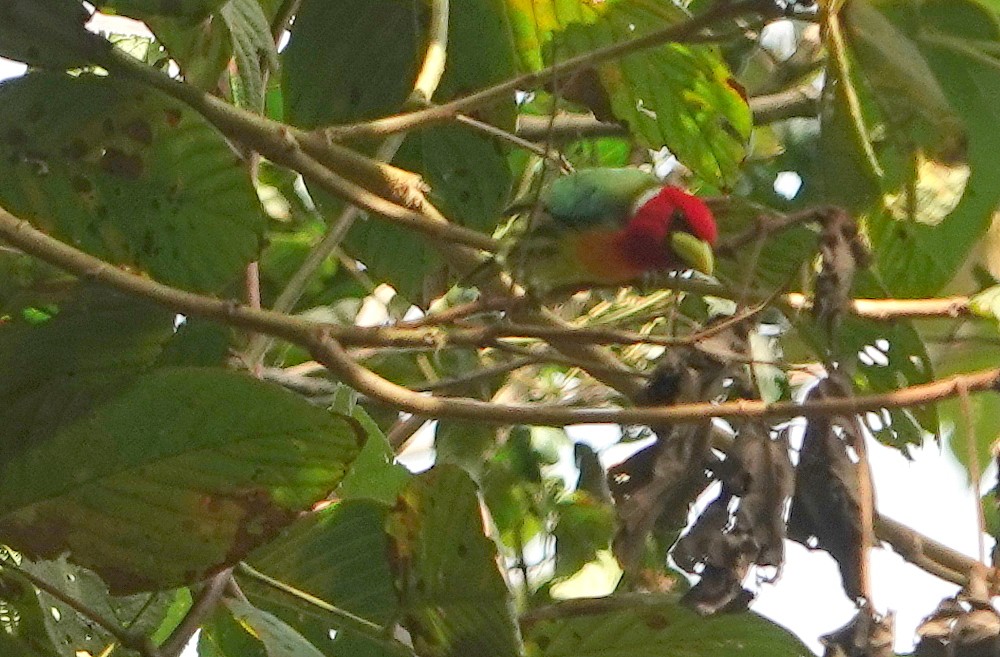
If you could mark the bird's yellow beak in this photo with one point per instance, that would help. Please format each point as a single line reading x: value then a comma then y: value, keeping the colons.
x: 693, y: 252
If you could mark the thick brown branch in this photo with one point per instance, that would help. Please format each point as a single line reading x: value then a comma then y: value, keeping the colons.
x: 327, y: 349
x: 889, y: 309
x: 925, y: 553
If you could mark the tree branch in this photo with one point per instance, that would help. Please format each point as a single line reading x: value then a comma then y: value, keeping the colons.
x: 800, y: 101
x: 204, y: 606
x: 320, y: 340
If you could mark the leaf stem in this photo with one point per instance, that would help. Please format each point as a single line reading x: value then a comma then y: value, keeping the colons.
x: 376, y: 633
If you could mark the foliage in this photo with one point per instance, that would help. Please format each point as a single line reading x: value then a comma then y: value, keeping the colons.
x: 174, y: 459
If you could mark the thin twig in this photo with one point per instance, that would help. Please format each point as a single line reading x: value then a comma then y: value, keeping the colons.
x: 516, y: 140
x: 800, y: 101
x: 923, y: 552
x: 204, y: 606
x: 435, y: 57
x: 403, y: 430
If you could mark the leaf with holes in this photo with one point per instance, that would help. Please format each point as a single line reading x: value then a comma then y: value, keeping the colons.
x: 454, y: 598
x: 128, y: 175
x: 180, y: 474
x: 152, y: 614
x: 653, y: 625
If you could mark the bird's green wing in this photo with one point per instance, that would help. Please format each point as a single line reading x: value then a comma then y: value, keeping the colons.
x: 596, y: 196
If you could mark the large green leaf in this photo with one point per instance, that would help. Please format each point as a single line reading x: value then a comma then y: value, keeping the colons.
x: 453, y: 594
x: 129, y: 175
x: 341, y: 556
x: 182, y: 473
x: 55, y: 371
x: 374, y: 475
x: 349, y: 61
x: 48, y: 33
x: 682, y: 97
x: 931, y: 53
x: 648, y: 627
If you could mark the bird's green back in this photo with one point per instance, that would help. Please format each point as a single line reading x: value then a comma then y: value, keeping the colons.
x: 596, y: 196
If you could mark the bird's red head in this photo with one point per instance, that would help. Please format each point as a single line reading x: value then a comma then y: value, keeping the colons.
x: 647, y: 239
x: 673, y: 209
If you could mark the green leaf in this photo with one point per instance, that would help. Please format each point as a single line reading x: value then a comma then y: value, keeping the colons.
x: 780, y: 259
x: 74, y: 633
x: 584, y: 527
x: 348, y: 61
x: 179, y: 475
x: 128, y: 175
x: 374, y: 475
x: 253, y: 49
x: 466, y: 444
x: 277, y: 638
x: 884, y: 357
x: 648, y: 625
x: 48, y: 33
x: 54, y: 372
x: 223, y: 636
x: 23, y: 630
x: 341, y: 556
x: 453, y: 594
x: 141, y: 9
x: 923, y: 152
x: 678, y: 96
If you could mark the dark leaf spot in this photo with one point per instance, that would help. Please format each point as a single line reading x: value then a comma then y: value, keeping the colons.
x: 16, y: 137
x: 122, y: 164
x: 139, y: 130
x: 75, y: 149
x: 81, y: 185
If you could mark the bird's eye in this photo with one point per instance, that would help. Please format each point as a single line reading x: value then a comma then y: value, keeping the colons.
x: 679, y: 220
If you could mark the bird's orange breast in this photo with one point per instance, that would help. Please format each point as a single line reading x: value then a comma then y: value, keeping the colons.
x: 603, y: 255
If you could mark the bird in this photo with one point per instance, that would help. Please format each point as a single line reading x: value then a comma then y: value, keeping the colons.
x: 610, y: 227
